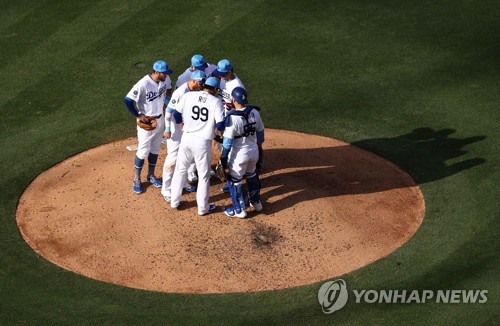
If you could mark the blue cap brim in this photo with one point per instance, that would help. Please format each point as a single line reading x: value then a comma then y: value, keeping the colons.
x: 202, y: 67
x: 168, y: 72
x: 219, y: 73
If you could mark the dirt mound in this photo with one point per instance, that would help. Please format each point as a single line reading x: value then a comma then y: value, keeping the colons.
x: 329, y: 208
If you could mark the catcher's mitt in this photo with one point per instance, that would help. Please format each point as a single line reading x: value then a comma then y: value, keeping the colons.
x: 151, y: 125
x: 220, y: 171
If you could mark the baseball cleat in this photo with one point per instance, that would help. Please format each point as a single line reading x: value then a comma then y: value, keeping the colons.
x: 167, y: 198
x: 155, y: 182
x: 211, y: 208
x: 190, y: 188
x: 192, y: 177
x: 137, y: 186
x: 178, y: 206
x: 229, y: 211
x: 225, y: 188
x: 257, y: 205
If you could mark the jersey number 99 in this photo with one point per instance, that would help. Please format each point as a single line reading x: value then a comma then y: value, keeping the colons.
x: 199, y: 113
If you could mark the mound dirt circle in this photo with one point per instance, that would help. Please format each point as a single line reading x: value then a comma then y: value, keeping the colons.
x: 329, y: 208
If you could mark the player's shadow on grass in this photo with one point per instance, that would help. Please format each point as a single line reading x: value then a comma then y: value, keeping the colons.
x: 424, y: 154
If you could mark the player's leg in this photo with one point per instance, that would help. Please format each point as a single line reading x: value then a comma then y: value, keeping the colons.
x: 237, y: 198
x: 192, y: 177
x: 168, y: 167
x: 184, y: 159
x: 203, y: 160
x: 157, y: 136
x: 253, y: 181
x: 143, y: 149
x: 237, y: 168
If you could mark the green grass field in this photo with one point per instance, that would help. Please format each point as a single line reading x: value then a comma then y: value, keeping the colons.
x: 416, y: 82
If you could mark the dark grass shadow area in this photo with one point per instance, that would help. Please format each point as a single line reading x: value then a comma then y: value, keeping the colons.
x: 423, y: 154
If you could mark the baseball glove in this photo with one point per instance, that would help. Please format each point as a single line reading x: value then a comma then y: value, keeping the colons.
x: 220, y: 170
x: 151, y: 125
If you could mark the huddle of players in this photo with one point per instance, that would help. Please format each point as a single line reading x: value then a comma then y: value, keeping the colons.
x: 208, y: 100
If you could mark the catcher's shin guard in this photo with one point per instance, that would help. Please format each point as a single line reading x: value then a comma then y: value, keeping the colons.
x: 253, y: 183
x: 236, y: 190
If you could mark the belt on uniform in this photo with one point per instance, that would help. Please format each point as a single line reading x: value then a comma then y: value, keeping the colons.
x: 154, y: 116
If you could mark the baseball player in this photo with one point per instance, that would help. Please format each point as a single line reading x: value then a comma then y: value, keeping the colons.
x: 229, y: 80
x: 173, y: 132
x: 201, y: 112
x: 145, y: 101
x: 197, y: 63
x: 243, y: 136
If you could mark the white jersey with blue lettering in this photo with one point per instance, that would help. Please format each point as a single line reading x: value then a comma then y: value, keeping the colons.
x: 186, y: 75
x: 200, y: 112
x: 244, y: 152
x: 226, y: 87
x: 150, y: 95
x: 243, y: 131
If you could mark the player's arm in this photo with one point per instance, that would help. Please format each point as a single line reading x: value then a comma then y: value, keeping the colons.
x: 168, y: 92
x: 220, y: 121
x: 260, y: 140
x: 177, y: 112
x: 131, y: 100
x: 132, y: 107
x: 227, y: 141
x: 168, y: 118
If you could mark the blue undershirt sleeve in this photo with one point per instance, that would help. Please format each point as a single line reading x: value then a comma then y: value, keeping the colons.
x: 177, y: 116
x: 260, y: 137
x: 221, y: 125
x: 226, y: 146
x: 131, y: 106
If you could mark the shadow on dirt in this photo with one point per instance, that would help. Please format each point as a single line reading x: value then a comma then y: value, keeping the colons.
x: 345, y: 170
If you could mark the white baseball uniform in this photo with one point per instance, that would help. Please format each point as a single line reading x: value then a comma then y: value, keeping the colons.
x: 150, y: 96
x: 200, y: 112
x: 226, y: 88
x: 244, y: 152
x: 186, y: 75
x: 174, y: 142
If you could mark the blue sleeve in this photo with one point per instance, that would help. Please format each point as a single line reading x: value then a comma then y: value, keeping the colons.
x: 221, y: 125
x: 177, y: 117
x: 169, y: 109
x: 260, y: 137
x: 167, y: 99
x: 131, y: 106
x: 226, y: 146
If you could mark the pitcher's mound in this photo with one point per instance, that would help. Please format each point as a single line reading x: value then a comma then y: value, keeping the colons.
x: 329, y: 208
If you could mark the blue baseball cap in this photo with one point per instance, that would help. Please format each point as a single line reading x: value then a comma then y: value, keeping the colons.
x: 162, y: 67
x: 240, y: 95
x: 213, y: 82
x: 198, y: 61
x: 223, y: 67
x: 198, y: 75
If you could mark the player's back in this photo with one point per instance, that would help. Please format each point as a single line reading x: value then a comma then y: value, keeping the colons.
x: 200, y: 112
x: 244, y: 131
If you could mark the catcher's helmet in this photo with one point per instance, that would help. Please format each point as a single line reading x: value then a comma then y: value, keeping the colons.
x: 240, y: 95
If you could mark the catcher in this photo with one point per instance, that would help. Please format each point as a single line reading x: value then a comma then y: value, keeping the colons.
x: 149, y: 95
x: 243, y: 137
